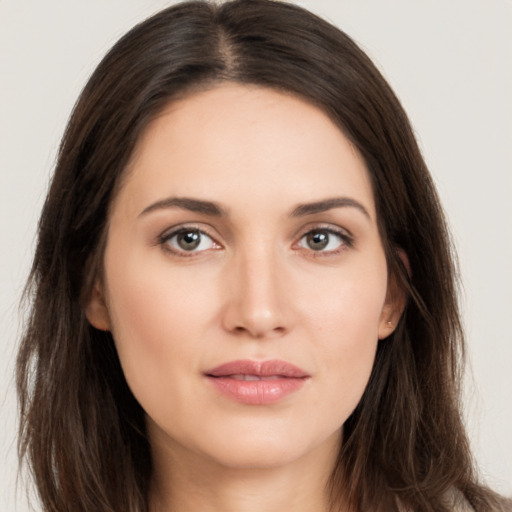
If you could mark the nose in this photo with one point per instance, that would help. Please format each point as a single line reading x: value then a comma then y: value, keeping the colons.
x: 256, y: 303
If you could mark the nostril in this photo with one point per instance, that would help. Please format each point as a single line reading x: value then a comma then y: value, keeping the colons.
x: 259, y: 332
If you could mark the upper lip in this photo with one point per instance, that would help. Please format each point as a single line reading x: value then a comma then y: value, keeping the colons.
x: 258, y: 368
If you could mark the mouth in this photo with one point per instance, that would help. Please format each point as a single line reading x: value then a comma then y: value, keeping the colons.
x: 241, y: 376
x: 257, y: 382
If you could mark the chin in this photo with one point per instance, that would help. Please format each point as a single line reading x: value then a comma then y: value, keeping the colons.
x: 256, y: 457
x: 265, y: 451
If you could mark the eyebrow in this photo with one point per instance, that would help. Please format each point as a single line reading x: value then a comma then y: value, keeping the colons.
x: 187, y: 203
x: 328, y: 204
x: 213, y: 209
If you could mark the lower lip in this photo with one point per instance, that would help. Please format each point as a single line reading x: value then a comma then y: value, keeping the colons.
x: 257, y: 392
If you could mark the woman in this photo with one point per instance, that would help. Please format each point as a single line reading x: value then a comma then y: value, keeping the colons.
x: 244, y: 294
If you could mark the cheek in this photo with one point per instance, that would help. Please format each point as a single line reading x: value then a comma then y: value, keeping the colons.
x: 155, y: 316
x: 344, y: 318
x: 165, y: 320
x: 348, y: 305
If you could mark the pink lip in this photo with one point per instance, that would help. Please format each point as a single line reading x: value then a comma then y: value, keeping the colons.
x: 270, y: 381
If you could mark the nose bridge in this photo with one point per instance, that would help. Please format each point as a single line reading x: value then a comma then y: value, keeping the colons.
x: 257, y: 303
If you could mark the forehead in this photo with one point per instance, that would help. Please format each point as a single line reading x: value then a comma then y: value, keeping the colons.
x: 245, y: 144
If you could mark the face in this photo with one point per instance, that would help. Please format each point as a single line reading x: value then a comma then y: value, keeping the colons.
x: 245, y: 283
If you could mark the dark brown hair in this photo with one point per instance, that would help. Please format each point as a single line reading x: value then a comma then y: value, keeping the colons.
x: 82, y: 430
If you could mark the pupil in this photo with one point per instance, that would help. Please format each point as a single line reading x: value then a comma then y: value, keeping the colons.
x: 318, y: 240
x: 189, y: 240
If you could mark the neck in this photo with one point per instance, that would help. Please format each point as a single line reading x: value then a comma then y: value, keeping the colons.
x: 184, y: 482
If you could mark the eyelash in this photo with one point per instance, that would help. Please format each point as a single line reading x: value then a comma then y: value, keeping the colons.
x: 346, y: 241
x: 166, y: 237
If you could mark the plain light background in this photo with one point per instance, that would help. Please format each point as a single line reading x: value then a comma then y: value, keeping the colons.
x: 449, y: 61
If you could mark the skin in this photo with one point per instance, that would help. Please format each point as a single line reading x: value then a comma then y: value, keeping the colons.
x: 255, y: 288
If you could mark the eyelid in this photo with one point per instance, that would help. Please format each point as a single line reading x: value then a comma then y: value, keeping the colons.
x: 343, y: 233
x: 325, y: 226
x: 170, y: 232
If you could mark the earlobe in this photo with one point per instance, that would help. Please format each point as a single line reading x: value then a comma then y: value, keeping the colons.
x: 396, y: 299
x: 391, y: 313
x: 386, y: 328
x: 96, y: 310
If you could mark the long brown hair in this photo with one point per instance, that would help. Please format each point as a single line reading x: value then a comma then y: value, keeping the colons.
x: 81, y: 429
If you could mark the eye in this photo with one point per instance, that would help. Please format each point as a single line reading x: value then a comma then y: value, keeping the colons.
x: 323, y: 240
x: 188, y: 240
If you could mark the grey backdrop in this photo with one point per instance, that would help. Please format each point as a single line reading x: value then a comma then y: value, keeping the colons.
x: 450, y: 62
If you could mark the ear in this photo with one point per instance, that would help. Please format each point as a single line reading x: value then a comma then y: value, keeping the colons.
x: 396, y: 298
x: 96, y: 309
